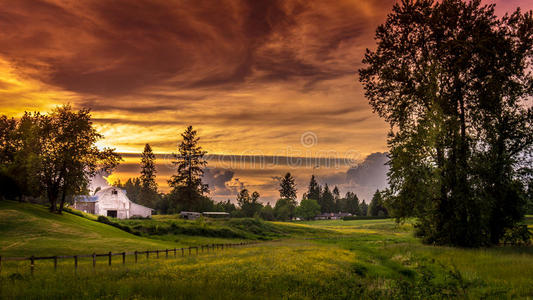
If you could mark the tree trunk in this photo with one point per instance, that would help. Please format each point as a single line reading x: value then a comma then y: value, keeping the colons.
x: 62, y: 203
x: 52, y: 201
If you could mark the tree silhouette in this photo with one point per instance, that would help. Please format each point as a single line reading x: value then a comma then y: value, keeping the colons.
x: 187, y: 182
x: 287, y: 187
x: 328, y: 200
x: 314, y: 189
x: 249, y: 204
x: 149, y: 186
x: 69, y: 155
x: 451, y: 78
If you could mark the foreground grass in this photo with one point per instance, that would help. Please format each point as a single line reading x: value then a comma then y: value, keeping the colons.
x: 294, y: 269
x: 369, y: 259
x: 386, y: 251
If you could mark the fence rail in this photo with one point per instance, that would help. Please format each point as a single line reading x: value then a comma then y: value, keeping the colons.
x: 174, y: 252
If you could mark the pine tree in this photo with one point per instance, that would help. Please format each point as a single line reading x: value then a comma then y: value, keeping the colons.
x: 148, y: 169
x: 363, y: 208
x: 314, y: 189
x: 352, y: 203
x: 287, y: 188
x: 337, y: 199
x: 149, y: 186
x: 187, y: 185
x: 328, y: 201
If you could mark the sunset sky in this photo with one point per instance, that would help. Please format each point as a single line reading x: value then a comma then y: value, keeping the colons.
x: 274, y: 78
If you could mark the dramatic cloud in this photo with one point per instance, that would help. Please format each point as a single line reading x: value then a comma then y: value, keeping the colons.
x: 253, y: 76
x: 245, y: 71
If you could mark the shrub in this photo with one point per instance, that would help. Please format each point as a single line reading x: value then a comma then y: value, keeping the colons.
x: 518, y: 235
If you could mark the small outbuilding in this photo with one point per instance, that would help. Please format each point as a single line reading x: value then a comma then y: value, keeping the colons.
x: 216, y: 214
x: 190, y: 215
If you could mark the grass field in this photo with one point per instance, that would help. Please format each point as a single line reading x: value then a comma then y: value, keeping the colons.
x: 368, y: 259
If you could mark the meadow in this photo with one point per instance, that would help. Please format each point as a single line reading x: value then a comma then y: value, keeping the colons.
x: 370, y: 259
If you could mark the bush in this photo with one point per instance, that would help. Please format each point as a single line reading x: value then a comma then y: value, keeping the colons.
x: 518, y: 236
x: 103, y: 219
x: 74, y: 212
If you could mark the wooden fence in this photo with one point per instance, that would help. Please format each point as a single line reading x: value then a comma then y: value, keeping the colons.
x: 193, y: 250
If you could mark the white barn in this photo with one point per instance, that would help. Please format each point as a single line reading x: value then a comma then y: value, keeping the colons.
x: 111, y: 202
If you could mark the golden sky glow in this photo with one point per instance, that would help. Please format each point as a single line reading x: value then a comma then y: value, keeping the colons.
x: 251, y: 76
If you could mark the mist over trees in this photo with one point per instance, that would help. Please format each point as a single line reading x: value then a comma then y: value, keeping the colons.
x: 452, y: 79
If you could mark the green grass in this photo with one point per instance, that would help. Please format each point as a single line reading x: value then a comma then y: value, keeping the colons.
x: 27, y: 229
x: 368, y: 259
x: 174, y: 228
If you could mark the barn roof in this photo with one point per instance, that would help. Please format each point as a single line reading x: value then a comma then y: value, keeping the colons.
x: 86, y: 198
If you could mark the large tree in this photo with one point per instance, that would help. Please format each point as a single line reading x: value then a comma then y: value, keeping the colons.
x: 451, y: 79
x: 69, y: 156
x: 20, y: 150
x: 187, y: 186
x: 149, y: 186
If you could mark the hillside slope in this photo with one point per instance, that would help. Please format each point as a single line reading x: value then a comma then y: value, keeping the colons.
x: 27, y: 229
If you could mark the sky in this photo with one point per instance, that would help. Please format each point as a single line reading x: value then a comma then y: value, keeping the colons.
x: 260, y: 78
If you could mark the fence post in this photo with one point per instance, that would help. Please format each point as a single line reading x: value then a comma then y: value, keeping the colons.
x: 196, y: 250
x: 174, y: 252
x: 94, y: 260
x: 147, y: 254
x: 135, y: 256
x: 32, y: 264
x: 182, y: 252
x: 123, y: 258
x: 75, y: 262
x: 166, y: 253
x: 55, y: 263
x: 157, y: 253
x: 189, y: 251
x: 109, y: 258
x: 207, y: 247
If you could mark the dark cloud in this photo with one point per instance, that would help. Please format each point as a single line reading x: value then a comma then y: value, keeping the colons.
x: 111, y: 48
x: 218, y: 181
